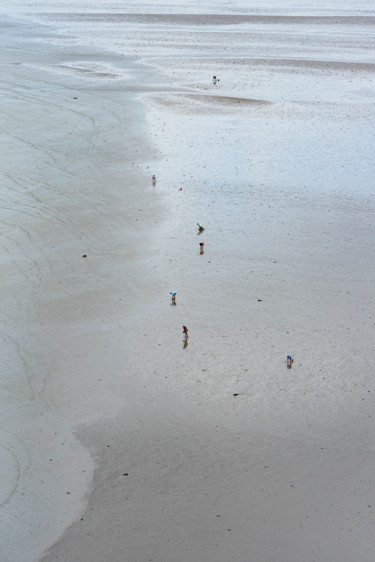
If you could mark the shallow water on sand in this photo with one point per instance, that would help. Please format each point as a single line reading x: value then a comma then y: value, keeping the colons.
x: 62, y: 169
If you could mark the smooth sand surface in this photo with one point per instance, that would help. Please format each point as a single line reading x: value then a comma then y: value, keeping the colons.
x: 120, y: 442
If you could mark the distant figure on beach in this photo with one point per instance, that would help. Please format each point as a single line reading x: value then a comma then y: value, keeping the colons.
x: 202, y: 247
x: 185, y: 332
x: 153, y: 179
x: 214, y: 80
x: 173, y: 297
x: 289, y: 361
x: 200, y: 227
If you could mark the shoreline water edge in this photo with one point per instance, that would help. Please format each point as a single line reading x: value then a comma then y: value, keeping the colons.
x: 121, y: 439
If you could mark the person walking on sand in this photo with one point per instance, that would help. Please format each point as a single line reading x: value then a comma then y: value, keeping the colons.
x: 214, y: 80
x: 185, y: 332
x: 200, y: 227
x: 153, y: 179
x: 202, y: 247
x: 173, y: 297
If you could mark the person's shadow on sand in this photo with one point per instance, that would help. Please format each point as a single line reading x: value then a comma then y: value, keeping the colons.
x: 185, y: 344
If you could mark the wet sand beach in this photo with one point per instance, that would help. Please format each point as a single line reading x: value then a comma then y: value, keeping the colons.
x: 120, y: 441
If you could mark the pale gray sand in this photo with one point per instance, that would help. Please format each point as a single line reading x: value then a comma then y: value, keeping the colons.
x: 215, y: 452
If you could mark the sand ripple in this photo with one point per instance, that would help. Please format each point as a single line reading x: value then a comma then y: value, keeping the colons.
x: 212, y: 19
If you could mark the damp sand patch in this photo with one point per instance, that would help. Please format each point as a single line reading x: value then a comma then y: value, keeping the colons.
x: 206, y: 103
x: 212, y: 19
x: 93, y: 70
